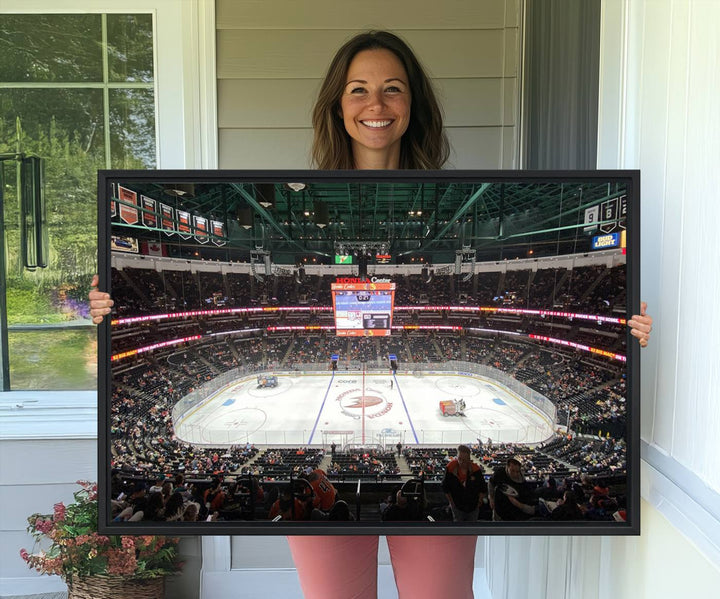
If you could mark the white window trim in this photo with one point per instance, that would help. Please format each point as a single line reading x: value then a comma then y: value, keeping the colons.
x: 683, y: 498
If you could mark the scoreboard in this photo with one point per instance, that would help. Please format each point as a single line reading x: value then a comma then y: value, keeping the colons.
x: 363, y: 308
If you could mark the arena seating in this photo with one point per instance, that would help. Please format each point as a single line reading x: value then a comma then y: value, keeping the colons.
x: 588, y: 391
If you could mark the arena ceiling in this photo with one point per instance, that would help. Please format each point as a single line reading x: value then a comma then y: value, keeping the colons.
x: 411, y: 220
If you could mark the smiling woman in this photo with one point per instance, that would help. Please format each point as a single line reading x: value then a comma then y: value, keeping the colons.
x: 364, y: 105
x: 375, y: 108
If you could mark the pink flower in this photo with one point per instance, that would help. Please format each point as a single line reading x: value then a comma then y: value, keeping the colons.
x: 44, y: 526
x: 121, y: 562
x: 59, y: 512
x: 128, y: 543
x: 73, y: 554
x: 53, y: 565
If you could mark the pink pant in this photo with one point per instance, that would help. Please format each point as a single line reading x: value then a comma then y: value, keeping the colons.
x: 346, y: 567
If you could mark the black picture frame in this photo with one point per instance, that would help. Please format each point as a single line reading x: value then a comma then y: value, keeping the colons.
x: 622, y: 187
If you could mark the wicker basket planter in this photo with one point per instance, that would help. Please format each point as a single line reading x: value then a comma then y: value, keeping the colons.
x: 116, y: 587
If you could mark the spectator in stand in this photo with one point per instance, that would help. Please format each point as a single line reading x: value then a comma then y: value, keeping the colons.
x: 214, y: 496
x: 324, y: 491
x: 510, y: 496
x: 288, y: 506
x: 464, y: 485
x: 155, y: 508
x: 191, y: 513
x: 175, y: 507
x: 567, y: 508
x: 548, y: 491
x: 397, y: 509
x: 341, y: 512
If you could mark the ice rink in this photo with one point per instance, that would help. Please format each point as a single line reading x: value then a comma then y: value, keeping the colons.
x: 362, y: 409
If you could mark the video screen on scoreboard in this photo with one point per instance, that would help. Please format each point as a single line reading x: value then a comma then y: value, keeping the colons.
x: 363, y: 308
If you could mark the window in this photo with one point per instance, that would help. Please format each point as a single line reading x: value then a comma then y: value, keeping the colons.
x: 77, y: 90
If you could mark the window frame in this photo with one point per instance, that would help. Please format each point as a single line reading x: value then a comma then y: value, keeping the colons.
x: 184, y: 81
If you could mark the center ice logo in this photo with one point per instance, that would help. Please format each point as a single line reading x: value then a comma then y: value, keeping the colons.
x: 354, y: 401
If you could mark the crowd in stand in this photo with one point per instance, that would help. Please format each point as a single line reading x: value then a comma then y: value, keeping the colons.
x: 588, y: 393
x: 585, y: 476
x: 370, y: 462
x: 144, y: 446
x: 590, y: 289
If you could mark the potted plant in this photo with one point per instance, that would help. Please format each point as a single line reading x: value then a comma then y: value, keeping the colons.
x: 94, y: 566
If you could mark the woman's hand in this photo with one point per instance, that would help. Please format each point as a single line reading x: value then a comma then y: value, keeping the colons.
x: 100, y: 302
x: 641, y: 325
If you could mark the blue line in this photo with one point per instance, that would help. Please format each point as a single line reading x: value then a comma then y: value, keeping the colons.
x: 312, y: 433
x: 402, y: 399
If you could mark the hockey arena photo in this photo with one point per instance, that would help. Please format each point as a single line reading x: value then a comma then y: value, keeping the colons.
x: 323, y: 352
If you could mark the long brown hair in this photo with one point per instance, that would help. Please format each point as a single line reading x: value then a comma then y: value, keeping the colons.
x: 424, y: 144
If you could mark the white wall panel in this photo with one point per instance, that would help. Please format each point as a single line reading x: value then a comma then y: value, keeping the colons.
x: 35, y: 475
x: 259, y: 103
x: 652, y: 119
x: 263, y: 103
x: 265, y: 148
x: 666, y: 119
x: 252, y: 552
x: 697, y: 415
x: 475, y: 147
x: 341, y: 14
x: 477, y: 102
x: 269, y: 54
x: 72, y: 460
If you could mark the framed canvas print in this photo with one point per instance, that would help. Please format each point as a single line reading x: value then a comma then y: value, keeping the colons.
x: 367, y: 352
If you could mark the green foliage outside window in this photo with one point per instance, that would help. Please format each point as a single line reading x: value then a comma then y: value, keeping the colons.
x: 76, y: 90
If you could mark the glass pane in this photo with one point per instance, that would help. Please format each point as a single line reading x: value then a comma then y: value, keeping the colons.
x: 50, y: 48
x: 64, y: 127
x: 49, y: 117
x: 130, y: 47
x: 53, y: 359
x: 132, y: 128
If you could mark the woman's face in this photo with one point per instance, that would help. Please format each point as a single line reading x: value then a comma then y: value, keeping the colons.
x: 375, y: 107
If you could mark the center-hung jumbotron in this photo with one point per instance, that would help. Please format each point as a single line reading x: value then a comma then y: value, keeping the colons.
x: 270, y: 325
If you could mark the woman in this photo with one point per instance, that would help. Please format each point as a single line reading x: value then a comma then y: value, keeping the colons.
x: 363, y: 119
x: 377, y: 110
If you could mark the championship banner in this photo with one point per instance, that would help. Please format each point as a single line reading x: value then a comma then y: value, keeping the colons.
x: 609, y: 212
x: 201, y: 230
x: 113, y: 203
x: 218, y: 230
x: 149, y: 219
x: 167, y: 218
x: 128, y: 213
x: 183, y: 224
x: 591, y: 219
